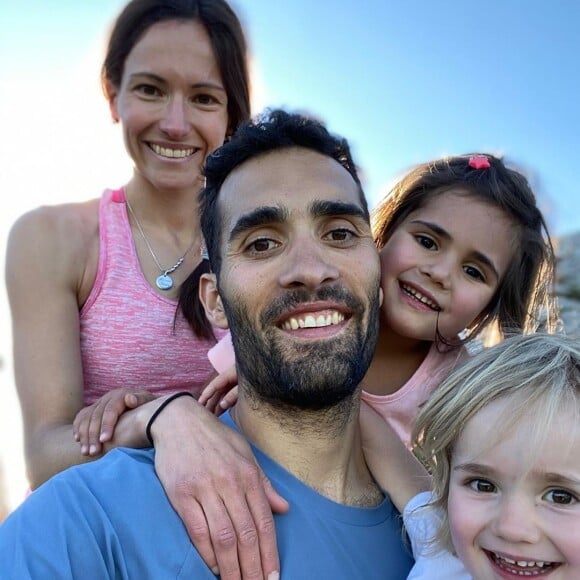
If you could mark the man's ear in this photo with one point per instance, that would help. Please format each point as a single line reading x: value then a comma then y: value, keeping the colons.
x: 111, y: 94
x: 211, y: 300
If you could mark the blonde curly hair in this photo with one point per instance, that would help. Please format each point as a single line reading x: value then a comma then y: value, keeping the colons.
x: 535, y: 374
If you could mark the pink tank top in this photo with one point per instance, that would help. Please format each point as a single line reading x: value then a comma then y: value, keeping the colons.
x: 127, y: 332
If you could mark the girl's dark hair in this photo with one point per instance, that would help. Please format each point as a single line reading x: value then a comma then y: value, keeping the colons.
x: 524, y: 300
x: 224, y: 30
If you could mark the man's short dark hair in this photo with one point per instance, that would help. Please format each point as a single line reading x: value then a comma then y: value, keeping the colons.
x: 275, y: 130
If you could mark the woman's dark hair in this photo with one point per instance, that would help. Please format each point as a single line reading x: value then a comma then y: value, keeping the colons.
x: 224, y: 30
x: 229, y: 47
x: 190, y: 305
x: 524, y: 299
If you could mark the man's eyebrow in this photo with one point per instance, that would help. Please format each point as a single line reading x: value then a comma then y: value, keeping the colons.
x: 161, y: 80
x: 261, y: 216
x: 322, y: 208
x: 267, y: 215
x: 479, y: 256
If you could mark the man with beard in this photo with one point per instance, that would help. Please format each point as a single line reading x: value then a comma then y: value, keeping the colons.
x: 296, y: 275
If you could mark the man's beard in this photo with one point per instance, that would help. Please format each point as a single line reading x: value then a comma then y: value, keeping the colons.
x: 310, y: 376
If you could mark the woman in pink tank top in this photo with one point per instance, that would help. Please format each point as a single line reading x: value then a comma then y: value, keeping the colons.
x: 93, y: 286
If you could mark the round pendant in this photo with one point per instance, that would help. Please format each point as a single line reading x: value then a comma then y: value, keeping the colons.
x: 164, y: 282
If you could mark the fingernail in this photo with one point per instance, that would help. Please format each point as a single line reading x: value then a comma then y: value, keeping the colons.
x: 102, y: 437
x: 92, y: 449
x: 274, y: 575
x: 224, y: 405
x: 84, y: 449
x: 216, y: 570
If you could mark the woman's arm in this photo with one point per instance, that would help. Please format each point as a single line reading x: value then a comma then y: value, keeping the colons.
x: 393, y: 466
x: 95, y: 425
x: 48, y: 261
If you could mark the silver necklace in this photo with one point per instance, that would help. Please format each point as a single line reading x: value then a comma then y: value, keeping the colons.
x: 164, y: 281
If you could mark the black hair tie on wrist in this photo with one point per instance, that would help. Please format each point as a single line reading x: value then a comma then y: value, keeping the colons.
x: 159, y: 409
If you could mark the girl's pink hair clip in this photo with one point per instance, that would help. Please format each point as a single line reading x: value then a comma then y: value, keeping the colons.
x: 479, y: 162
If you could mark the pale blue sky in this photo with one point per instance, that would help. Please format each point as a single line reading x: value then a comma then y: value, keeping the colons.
x: 405, y: 81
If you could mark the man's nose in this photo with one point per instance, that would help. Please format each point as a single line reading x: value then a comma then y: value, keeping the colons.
x: 308, y: 264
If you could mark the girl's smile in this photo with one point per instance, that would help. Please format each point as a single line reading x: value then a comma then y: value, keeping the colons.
x: 514, y: 500
x: 443, y: 264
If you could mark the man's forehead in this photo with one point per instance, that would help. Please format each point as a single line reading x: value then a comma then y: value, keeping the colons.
x: 295, y: 180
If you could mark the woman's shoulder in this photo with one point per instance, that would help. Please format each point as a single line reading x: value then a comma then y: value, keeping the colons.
x: 66, y: 217
x: 68, y: 223
x: 57, y: 240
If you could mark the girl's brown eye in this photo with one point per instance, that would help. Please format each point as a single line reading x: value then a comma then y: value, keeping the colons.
x: 473, y: 272
x: 425, y: 241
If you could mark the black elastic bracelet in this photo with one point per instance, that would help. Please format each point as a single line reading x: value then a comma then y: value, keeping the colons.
x: 160, y: 408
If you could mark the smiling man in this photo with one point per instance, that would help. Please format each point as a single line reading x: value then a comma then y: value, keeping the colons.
x: 296, y: 275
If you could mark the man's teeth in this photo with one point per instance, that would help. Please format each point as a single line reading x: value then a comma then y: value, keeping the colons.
x: 310, y: 321
x: 173, y: 153
x: 418, y: 296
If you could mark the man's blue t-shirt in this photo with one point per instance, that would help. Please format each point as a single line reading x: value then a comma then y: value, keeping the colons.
x: 111, y: 519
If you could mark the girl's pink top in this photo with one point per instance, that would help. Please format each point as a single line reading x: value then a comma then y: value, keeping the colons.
x: 400, y: 408
x: 222, y: 355
x: 130, y: 336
